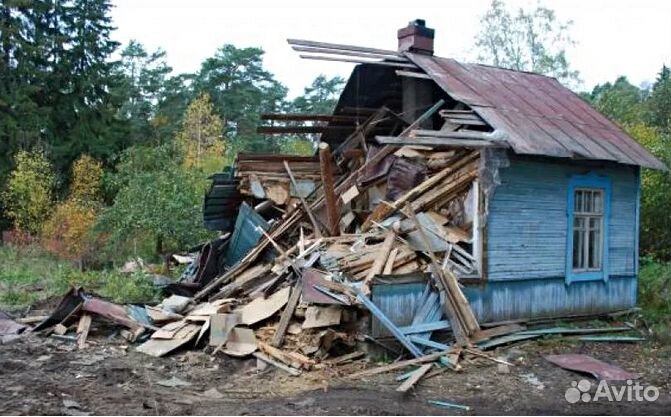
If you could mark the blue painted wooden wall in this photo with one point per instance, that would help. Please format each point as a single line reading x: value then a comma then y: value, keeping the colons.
x: 526, y: 249
x: 527, y: 238
x: 527, y: 223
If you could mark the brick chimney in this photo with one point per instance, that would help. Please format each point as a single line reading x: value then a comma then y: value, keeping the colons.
x: 416, y: 37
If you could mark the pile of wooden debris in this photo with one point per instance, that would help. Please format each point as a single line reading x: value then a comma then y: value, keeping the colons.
x: 294, y: 280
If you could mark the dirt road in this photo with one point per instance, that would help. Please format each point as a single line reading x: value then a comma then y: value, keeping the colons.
x: 45, y: 376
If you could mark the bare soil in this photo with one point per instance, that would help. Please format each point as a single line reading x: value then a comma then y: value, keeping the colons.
x: 42, y: 376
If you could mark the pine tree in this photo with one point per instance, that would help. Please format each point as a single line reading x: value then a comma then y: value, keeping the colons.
x: 85, y: 110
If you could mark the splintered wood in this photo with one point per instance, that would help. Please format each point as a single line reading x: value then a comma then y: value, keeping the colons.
x: 340, y: 224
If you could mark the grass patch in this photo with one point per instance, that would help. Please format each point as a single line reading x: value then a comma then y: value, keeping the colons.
x: 654, y: 293
x: 29, y: 275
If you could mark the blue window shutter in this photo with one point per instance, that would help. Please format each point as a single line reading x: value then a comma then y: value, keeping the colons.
x: 590, y: 180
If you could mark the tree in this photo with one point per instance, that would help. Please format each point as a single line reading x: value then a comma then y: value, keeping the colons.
x: 201, y: 132
x: 621, y: 101
x: 144, y: 81
x: 85, y: 111
x: 68, y: 229
x: 655, y: 192
x: 659, y: 103
x: 320, y: 97
x: 526, y: 41
x: 158, y: 201
x: 241, y: 89
x: 28, y: 198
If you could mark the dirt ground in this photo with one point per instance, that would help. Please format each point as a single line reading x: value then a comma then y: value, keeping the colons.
x: 44, y: 376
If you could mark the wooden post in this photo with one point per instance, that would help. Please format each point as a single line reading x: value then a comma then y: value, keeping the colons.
x: 288, y: 312
x: 328, y: 184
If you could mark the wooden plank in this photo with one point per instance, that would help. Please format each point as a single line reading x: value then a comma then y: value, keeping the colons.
x: 288, y: 312
x: 314, y: 44
x: 283, y: 130
x: 389, y: 265
x: 328, y: 188
x: 425, y: 327
x: 451, y: 310
x: 495, y: 332
x: 414, y: 378
x: 305, y: 204
x: 401, y: 364
x: 384, y: 210
x: 329, y: 51
x: 285, y: 368
x: 381, y: 257
x: 83, y: 330
x: 311, y: 117
x: 438, y: 142
x: 360, y: 61
x: 388, y: 324
x: 413, y: 74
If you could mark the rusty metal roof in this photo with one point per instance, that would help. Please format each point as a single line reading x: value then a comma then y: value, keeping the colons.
x: 537, y: 115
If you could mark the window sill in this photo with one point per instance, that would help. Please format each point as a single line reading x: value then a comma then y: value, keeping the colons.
x: 576, y: 276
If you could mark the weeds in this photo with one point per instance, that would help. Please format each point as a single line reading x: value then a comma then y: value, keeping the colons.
x: 29, y: 275
x: 655, y: 296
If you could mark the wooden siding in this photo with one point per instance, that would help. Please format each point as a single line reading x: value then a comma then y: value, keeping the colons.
x: 497, y: 301
x: 527, y: 222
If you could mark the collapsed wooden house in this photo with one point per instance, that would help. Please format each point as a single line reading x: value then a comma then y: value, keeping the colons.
x: 506, y: 180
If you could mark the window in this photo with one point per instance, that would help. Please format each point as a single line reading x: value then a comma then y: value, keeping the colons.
x: 587, y: 229
x: 588, y: 213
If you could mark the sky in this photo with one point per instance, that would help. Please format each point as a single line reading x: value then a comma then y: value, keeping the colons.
x: 614, y: 37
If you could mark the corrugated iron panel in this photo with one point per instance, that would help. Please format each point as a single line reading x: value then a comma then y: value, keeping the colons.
x: 246, y: 233
x: 537, y: 114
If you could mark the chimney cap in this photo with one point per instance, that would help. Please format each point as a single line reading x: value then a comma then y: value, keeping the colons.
x: 416, y: 37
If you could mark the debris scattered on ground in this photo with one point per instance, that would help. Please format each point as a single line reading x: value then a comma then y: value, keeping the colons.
x: 587, y: 364
x: 297, y: 277
x: 173, y: 382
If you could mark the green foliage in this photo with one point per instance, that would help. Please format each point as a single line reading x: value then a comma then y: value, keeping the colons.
x: 532, y: 40
x: 157, y: 199
x: 68, y: 229
x: 28, y: 197
x: 201, y: 134
x: 320, y: 97
x: 645, y: 116
x: 655, y: 192
x: 621, y: 101
x: 659, y: 103
x: 654, y: 288
x: 297, y: 146
x: 241, y: 90
x: 55, y: 80
x: 29, y: 274
x: 144, y: 78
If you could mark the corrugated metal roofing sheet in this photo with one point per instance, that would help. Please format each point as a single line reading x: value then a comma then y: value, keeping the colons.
x: 537, y: 115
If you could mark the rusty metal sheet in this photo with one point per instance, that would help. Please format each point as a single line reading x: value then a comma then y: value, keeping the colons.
x: 377, y: 171
x: 536, y: 113
x: 403, y: 176
x: 590, y: 365
x: 313, y: 278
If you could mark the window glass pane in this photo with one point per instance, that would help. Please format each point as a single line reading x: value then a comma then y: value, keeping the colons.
x: 578, y: 201
x: 598, y: 202
x: 587, y: 202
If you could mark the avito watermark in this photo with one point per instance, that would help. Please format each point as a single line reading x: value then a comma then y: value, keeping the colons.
x: 631, y: 391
